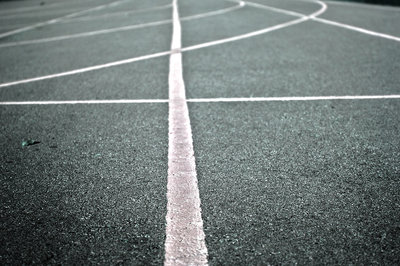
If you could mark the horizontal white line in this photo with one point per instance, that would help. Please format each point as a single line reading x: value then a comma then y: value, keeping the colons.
x: 86, y: 102
x: 294, y: 98
x: 211, y: 100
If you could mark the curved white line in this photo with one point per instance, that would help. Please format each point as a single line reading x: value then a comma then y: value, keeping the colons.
x: 354, y: 28
x: 155, y: 55
x: 289, y: 12
x: 259, y: 32
x: 119, y: 29
x: 319, y: 12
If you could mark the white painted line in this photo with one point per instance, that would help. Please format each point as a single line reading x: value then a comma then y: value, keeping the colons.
x: 288, y: 99
x: 322, y: 10
x: 185, y: 239
x: 262, y: 31
x: 211, y: 100
x: 289, y: 12
x: 243, y: 36
x: 329, y: 22
x: 155, y: 55
x: 85, y: 34
x: 114, y: 14
x: 123, y: 101
x: 118, y: 29
x: 86, y: 69
x: 52, y: 21
x: 275, y: 9
x: 213, y: 13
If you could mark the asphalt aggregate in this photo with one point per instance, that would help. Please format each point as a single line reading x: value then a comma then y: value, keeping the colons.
x: 281, y: 183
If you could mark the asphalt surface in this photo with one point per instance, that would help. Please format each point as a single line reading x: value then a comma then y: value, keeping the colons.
x: 306, y: 183
x: 91, y: 192
x: 300, y: 182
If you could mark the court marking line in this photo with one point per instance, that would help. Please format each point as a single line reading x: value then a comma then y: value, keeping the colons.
x: 108, y: 15
x: 270, y: 8
x: 210, y: 100
x: 185, y: 238
x: 294, y: 98
x: 159, y: 54
x: 119, y: 29
x: 75, y: 102
x: 303, y: 18
x: 55, y: 20
x: 87, y: 69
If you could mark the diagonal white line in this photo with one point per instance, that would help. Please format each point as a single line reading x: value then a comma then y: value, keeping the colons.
x: 118, y: 29
x: 262, y: 31
x: 185, y: 239
x: 87, y: 69
x: 52, y: 21
x: 326, y: 21
x: 114, y: 14
x: 243, y: 36
x: 150, y: 56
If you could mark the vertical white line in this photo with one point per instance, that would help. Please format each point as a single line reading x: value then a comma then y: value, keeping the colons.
x: 185, y: 239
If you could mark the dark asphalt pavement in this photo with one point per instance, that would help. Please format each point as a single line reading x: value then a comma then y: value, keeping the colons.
x: 91, y: 192
x: 300, y: 182
x: 306, y: 183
